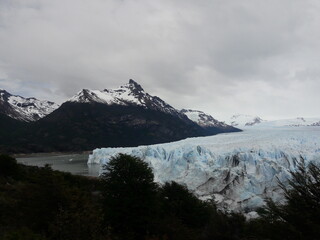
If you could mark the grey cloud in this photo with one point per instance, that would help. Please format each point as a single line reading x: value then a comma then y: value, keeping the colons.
x: 255, y: 57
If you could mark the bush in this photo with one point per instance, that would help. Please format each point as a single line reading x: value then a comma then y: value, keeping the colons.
x: 47, y: 204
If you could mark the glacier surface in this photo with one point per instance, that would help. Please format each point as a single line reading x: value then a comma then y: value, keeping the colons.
x: 238, y: 170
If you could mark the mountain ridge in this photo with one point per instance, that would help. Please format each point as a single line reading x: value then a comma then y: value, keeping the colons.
x: 249, y: 121
x: 123, y: 117
x: 206, y: 121
x: 129, y: 94
x: 24, y: 109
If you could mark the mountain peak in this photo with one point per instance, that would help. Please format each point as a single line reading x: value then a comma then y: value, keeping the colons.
x: 131, y: 81
x: 135, y: 86
x: 85, y: 95
x: 126, y: 95
x: 243, y: 120
x: 24, y: 109
x: 4, y: 94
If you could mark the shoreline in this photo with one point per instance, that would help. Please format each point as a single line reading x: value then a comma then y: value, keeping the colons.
x: 48, y: 154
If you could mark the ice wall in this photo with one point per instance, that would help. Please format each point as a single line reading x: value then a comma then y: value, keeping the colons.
x: 238, y: 170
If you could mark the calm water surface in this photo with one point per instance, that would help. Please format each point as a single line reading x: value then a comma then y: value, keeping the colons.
x: 73, y: 163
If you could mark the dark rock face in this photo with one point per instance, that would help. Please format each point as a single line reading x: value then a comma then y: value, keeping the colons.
x: 256, y: 120
x: 10, y: 132
x: 316, y: 124
x: 85, y: 126
x: 136, y: 87
x: 144, y: 99
x: 5, y: 107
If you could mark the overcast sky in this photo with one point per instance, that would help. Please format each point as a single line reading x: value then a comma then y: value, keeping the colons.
x: 221, y: 56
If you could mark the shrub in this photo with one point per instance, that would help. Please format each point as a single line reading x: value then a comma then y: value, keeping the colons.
x: 8, y: 166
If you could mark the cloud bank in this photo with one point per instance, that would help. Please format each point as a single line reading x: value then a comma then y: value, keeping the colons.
x: 223, y: 57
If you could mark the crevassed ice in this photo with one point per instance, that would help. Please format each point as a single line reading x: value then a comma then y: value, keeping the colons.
x: 238, y: 170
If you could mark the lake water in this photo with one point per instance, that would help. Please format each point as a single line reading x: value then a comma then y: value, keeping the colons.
x: 73, y: 163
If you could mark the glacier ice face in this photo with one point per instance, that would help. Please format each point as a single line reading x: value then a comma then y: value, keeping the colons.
x: 238, y: 170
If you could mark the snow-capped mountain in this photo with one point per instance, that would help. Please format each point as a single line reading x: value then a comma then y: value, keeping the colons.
x: 207, y: 122
x: 126, y: 95
x: 241, y: 120
x: 24, y: 109
x: 294, y: 122
x: 238, y: 170
x: 248, y: 121
x: 203, y: 119
x: 123, y: 117
x: 132, y: 94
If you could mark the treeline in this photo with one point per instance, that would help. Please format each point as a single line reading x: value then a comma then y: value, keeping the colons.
x: 125, y: 203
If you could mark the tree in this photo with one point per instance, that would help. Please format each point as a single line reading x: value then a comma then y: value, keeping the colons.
x: 183, y: 215
x: 8, y: 166
x: 300, y: 214
x: 179, y: 202
x: 129, y: 197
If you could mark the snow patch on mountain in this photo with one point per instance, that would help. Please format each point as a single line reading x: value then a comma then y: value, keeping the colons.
x: 241, y: 120
x: 239, y: 170
x: 126, y: 95
x: 248, y: 121
x: 295, y: 122
x: 203, y: 119
x: 24, y: 109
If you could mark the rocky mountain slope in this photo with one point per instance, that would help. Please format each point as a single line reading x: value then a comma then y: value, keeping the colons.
x: 130, y: 94
x: 122, y: 117
x: 24, y: 109
x: 241, y: 120
x: 206, y: 121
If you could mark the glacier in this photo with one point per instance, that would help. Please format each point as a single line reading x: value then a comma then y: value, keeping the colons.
x: 237, y: 170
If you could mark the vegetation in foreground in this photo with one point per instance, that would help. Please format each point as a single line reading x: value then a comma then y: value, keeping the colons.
x: 126, y: 203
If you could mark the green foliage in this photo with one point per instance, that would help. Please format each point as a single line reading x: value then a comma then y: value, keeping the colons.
x: 129, y: 196
x: 33, y: 205
x: 179, y: 202
x: 8, y: 166
x: 182, y: 214
x: 78, y: 219
x: 42, y: 204
x: 298, y: 218
x: 22, y: 234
